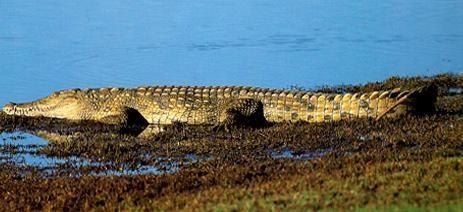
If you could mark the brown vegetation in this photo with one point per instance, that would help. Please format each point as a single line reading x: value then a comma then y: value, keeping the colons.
x: 411, y: 161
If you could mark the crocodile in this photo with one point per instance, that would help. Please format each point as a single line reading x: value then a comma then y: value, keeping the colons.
x: 222, y: 105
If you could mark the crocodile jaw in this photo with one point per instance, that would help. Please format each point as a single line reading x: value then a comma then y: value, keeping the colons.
x: 27, y: 109
x: 9, y: 108
x: 44, y: 107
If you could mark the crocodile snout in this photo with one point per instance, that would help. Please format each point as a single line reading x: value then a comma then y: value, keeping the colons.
x: 9, y: 108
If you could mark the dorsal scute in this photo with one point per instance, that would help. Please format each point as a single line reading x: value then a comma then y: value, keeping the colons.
x: 235, y: 91
x: 213, y: 90
x: 306, y: 96
x: 116, y: 90
x: 272, y: 91
x: 206, y: 93
x: 374, y: 95
x: 55, y: 94
x: 65, y: 93
x: 104, y: 92
x: 253, y: 89
x: 313, y: 98
x: 293, y: 92
x: 298, y: 95
x: 330, y: 97
x: 384, y: 94
x: 205, y: 90
x: 175, y: 89
x: 394, y: 93
x: 237, y: 88
x: 191, y: 88
x: 167, y: 89
x: 403, y: 93
x: 321, y: 99
x: 347, y: 96
x: 246, y: 88
x: 364, y: 96
x: 261, y: 90
x: 151, y: 89
x: 198, y: 90
x: 142, y: 88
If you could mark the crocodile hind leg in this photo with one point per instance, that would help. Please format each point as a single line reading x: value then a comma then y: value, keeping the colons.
x: 125, y: 116
x: 418, y: 101
x: 241, y: 112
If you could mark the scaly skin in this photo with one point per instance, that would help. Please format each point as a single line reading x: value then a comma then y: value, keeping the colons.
x: 215, y: 105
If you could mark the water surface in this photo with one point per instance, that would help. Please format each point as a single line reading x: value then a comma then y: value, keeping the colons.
x: 53, y: 44
x: 23, y: 149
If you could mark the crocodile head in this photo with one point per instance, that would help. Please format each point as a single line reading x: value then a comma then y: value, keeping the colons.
x: 58, y: 105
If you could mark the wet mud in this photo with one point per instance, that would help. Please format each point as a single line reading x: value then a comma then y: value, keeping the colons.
x: 411, y: 161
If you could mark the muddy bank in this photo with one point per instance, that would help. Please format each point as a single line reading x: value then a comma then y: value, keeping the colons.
x: 414, y: 161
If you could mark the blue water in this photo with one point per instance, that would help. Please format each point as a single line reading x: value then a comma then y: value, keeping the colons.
x: 26, y: 152
x: 307, y: 155
x: 49, y: 45
x: 23, y: 149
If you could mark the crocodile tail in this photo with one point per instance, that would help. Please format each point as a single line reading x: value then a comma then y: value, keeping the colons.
x: 417, y: 101
x: 321, y: 107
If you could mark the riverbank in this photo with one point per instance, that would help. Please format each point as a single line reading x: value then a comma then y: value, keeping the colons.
x: 408, y: 163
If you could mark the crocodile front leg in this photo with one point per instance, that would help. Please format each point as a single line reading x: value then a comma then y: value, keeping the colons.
x: 124, y: 116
